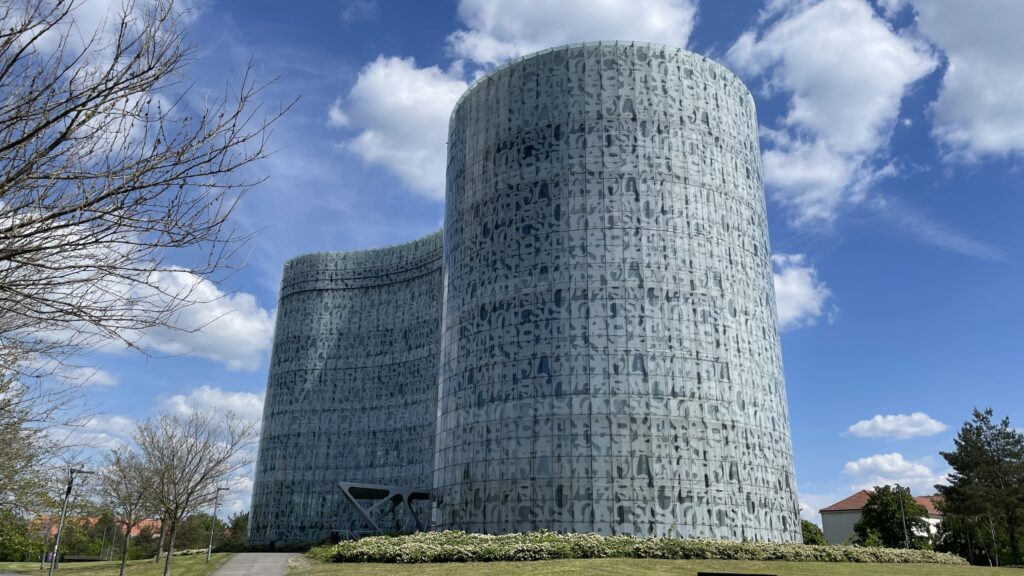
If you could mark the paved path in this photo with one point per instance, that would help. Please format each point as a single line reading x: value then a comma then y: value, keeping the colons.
x: 255, y: 564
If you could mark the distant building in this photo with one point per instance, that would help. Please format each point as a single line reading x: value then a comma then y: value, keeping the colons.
x: 48, y: 524
x: 838, y: 520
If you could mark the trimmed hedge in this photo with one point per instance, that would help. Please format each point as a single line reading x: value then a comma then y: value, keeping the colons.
x: 454, y: 546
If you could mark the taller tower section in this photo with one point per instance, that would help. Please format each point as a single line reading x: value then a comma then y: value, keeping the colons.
x: 610, y: 359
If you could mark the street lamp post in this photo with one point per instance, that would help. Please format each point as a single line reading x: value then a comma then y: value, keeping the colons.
x: 903, y: 515
x: 213, y: 521
x: 63, y: 512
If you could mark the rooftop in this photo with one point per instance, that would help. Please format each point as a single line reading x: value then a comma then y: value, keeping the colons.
x: 857, y: 501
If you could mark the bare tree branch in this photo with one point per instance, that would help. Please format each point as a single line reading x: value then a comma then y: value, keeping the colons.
x: 186, y: 457
x: 108, y: 169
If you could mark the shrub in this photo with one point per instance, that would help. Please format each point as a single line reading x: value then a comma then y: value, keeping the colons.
x: 192, y: 552
x: 812, y: 533
x: 454, y: 546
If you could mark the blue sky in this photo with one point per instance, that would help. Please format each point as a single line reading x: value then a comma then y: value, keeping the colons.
x: 892, y: 137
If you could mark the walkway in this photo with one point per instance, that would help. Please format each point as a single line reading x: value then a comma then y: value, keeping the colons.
x: 255, y: 564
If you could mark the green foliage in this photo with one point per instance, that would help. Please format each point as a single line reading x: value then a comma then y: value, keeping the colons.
x: 144, y: 543
x: 234, y: 537
x: 18, y: 542
x: 812, y: 534
x: 453, y: 546
x: 194, y: 531
x: 881, y: 521
x: 983, y: 504
x: 89, y: 536
x: 871, y: 539
x: 194, y: 565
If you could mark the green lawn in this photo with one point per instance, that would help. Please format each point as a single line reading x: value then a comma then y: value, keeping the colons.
x: 180, y: 566
x: 630, y: 567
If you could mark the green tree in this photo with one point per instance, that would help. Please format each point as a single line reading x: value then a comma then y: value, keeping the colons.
x: 193, y: 532
x: 19, y: 539
x: 144, y: 544
x: 984, y: 500
x: 882, y: 519
x: 812, y: 534
x: 235, y: 536
x: 976, y: 538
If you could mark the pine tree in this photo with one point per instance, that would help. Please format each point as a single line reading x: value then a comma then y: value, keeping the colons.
x: 987, y: 481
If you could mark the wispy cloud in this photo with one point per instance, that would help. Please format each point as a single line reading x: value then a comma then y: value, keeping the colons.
x: 910, y: 220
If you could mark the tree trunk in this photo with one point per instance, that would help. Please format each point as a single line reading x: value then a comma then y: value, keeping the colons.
x: 995, y: 543
x: 981, y: 542
x: 170, y: 548
x: 124, y: 549
x: 1011, y: 522
x: 970, y: 551
x: 160, y: 548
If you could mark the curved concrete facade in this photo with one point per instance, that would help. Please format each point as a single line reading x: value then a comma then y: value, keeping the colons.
x: 610, y: 360
x: 352, y: 391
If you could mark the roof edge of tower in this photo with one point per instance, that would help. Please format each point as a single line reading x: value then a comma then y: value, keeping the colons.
x: 512, y: 62
x: 365, y: 251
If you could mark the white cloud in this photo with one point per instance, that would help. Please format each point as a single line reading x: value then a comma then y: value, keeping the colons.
x: 245, y: 405
x: 810, y: 504
x: 882, y: 469
x: 336, y: 117
x: 102, y: 19
x: 229, y: 328
x: 799, y: 296
x: 892, y: 7
x: 87, y: 376
x: 101, y: 432
x: 898, y: 426
x: 497, y: 30
x: 979, y: 110
x: 845, y: 71
x: 401, y: 113
x: 239, y: 497
x: 74, y: 374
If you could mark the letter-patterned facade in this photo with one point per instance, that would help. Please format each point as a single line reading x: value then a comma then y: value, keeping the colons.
x: 607, y: 356
x: 352, y: 392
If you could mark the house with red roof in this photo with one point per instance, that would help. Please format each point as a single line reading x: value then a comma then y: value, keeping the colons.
x: 838, y: 520
x: 48, y: 524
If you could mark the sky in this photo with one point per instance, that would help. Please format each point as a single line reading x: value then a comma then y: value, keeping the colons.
x: 892, y: 136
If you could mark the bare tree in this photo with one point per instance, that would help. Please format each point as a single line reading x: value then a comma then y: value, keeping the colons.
x: 122, y: 489
x: 186, y: 457
x: 110, y: 166
x: 28, y: 453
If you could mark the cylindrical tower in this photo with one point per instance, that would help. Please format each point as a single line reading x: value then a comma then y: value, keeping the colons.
x: 352, y: 392
x: 610, y: 360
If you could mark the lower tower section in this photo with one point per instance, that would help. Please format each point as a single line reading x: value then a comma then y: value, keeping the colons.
x: 352, y: 391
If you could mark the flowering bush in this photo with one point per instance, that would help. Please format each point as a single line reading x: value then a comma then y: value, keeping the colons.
x: 193, y: 552
x: 454, y: 546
